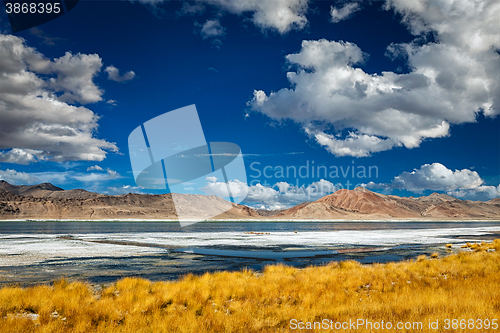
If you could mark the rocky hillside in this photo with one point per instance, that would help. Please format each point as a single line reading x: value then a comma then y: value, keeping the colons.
x: 364, y: 204
x: 46, y: 201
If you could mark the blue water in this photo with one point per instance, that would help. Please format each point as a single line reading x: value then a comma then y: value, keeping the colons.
x: 88, y: 227
x: 102, y: 252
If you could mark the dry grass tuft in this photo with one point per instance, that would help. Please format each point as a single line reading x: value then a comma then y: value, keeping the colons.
x: 462, y: 286
x: 478, y: 247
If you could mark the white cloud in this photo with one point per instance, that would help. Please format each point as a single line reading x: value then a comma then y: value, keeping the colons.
x: 436, y: 177
x: 95, y: 167
x: 278, y: 15
x: 481, y: 193
x: 292, y: 195
x: 94, y: 176
x: 35, y: 117
x: 211, y: 29
x: 22, y: 178
x: 237, y: 188
x: 358, y: 145
x: 17, y: 178
x: 280, y: 195
x: 469, y: 24
x: 271, y: 206
x: 20, y: 156
x: 114, y: 74
x: 125, y: 189
x: 353, y: 113
x: 190, y: 9
x: 262, y: 194
x: 341, y: 13
x: 465, y: 183
x: 75, y: 78
x: 112, y: 102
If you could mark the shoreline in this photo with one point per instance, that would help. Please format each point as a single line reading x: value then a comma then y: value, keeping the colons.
x: 438, y: 248
x: 106, y: 251
x: 364, y: 255
x: 460, y: 285
x: 267, y: 220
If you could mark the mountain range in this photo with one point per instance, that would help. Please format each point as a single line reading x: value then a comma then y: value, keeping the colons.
x: 46, y: 201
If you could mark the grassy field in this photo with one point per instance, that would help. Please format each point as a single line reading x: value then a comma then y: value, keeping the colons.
x: 464, y: 286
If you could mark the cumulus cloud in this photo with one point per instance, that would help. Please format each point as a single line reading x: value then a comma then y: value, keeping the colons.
x: 277, y: 15
x: 16, y: 177
x: 471, y: 25
x: 114, y: 74
x: 344, y: 12
x: 211, y: 29
x: 36, y: 120
x: 237, y: 188
x: 95, y: 167
x: 465, y: 183
x: 354, y: 113
x: 436, y: 177
x: 280, y: 195
x: 20, y: 156
x: 481, y: 193
x: 75, y: 77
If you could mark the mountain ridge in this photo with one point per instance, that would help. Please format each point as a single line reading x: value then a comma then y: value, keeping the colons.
x: 46, y: 201
x: 360, y: 202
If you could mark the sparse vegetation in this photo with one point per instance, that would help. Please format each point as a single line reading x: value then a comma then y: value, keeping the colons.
x: 460, y: 286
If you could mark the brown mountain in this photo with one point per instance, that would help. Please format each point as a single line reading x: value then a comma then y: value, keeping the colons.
x: 46, y: 201
x: 495, y: 201
x: 364, y: 204
x: 28, y: 189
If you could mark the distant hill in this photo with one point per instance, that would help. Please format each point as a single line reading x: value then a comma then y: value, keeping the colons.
x: 361, y: 203
x: 28, y: 189
x: 494, y: 201
x: 46, y: 201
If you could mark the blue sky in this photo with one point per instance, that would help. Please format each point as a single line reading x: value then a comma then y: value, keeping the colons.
x: 379, y: 84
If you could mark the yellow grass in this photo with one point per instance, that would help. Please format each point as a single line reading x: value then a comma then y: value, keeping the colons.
x: 460, y: 286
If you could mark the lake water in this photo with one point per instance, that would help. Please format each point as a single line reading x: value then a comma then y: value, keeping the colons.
x: 102, y: 252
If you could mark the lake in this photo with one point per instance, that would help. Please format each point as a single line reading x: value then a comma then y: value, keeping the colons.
x: 102, y: 252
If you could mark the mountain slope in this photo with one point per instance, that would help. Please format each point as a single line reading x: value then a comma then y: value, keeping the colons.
x: 45, y: 201
x: 495, y: 201
x: 27, y: 190
x: 364, y: 204
x: 367, y: 202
